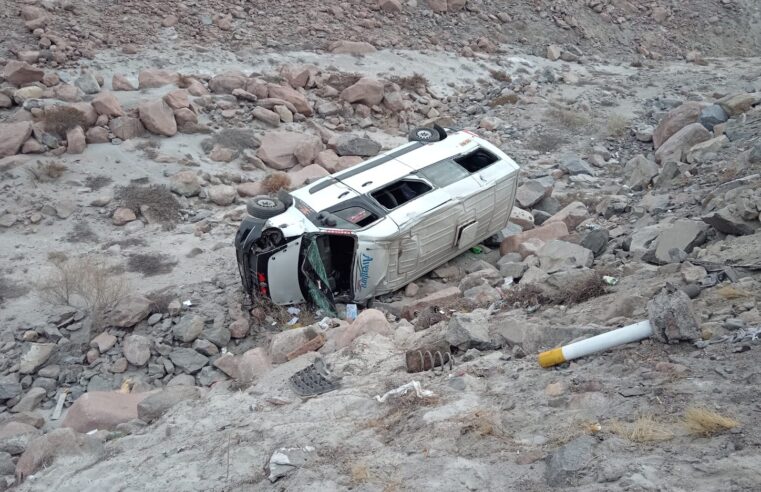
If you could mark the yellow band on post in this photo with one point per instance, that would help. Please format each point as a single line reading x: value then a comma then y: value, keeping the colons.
x: 551, y: 357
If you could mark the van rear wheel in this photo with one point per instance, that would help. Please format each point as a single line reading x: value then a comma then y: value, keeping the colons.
x: 264, y: 207
x: 424, y: 134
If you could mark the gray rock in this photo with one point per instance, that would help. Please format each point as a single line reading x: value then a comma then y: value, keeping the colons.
x: 188, y: 360
x: 205, y: 347
x: 683, y: 236
x: 566, y: 465
x: 285, y: 461
x: 489, y: 276
x: 30, y: 400
x: 15, y: 436
x: 639, y: 172
x: 48, y: 384
x: 218, y: 334
x: 734, y: 324
x: 137, y: 349
x: 208, y: 376
x: 672, y: 317
x: 596, y: 241
x: 62, y: 442
x: 35, y: 356
x: 712, y: 115
x: 532, y: 192
x: 558, y: 255
x: 157, y: 404
x: 188, y: 329
x: 182, y: 380
x: 469, y: 330
x: 512, y: 269
x: 550, y: 205
x: 9, y: 386
x: 7, y: 466
x: 87, y: 83
x: 482, y: 295
x: 349, y: 144
x: 130, y: 311
x: 100, y: 383
x: 540, y: 216
x: 574, y: 165
x: 727, y: 222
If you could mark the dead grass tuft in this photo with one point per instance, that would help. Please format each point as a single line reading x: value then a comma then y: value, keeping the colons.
x: 341, y: 81
x: 546, y: 141
x: 411, y: 82
x: 524, y: 296
x: 617, y: 125
x: 567, y: 117
x: 164, y: 207
x: 359, y: 473
x: 151, y: 264
x: 84, y: 282
x: 482, y: 423
x: 59, y: 119
x: 582, y: 291
x: 701, y: 421
x: 644, y: 429
x: 95, y: 183
x: 45, y: 171
x: 81, y: 233
x: 275, y: 182
x: 502, y: 100
x: 501, y: 76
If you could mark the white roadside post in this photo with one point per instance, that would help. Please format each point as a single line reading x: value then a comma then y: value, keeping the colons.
x: 605, y: 341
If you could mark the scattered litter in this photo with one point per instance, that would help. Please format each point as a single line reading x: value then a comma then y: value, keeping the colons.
x: 476, y: 250
x: 351, y: 312
x: 293, y: 310
x: 312, y: 345
x: 313, y: 380
x: 429, y: 358
x: 187, y: 303
x: 285, y: 460
x: 59, y: 405
x: 293, y: 321
x: 90, y: 433
x: 403, y: 389
x: 610, y: 280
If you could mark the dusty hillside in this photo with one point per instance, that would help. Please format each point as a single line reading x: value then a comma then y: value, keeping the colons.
x: 133, y: 133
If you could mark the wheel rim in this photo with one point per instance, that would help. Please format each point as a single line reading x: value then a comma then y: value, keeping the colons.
x: 266, y: 202
x: 425, y: 134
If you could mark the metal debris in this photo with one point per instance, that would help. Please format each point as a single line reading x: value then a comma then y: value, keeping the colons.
x: 314, y: 379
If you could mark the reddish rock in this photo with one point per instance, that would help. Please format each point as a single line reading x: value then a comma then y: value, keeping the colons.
x: 328, y: 159
x: 76, y: 142
x: 391, y: 6
x: 547, y: 232
x: 96, y: 135
x: 267, y: 116
x: 126, y: 127
x: 13, y: 136
x: 120, y: 83
x: 158, y: 117
x: 292, y: 96
x: 130, y: 311
x: 250, y: 189
x: 368, y: 321
x: 102, y: 410
x: 522, y: 218
x: 123, y: 216
x: 307, y: 175
x: 43, y: 450
x: 366, y: 91
x: 151, y: 78
x: 67, y: 92
x: 225, y: 83
x: 187, y: 120
x: 107, y: 104
x: 675, y: 120
x: 177, y: 99
x: 298, y: 77
x: 438, y: 5
x: 32, y: 146
x: 258, y: 88
x: 278, y: 149
x: 441, y: 298
x: 253, y: 364
x: 572, y: 215
x: 19, y: 73
x: 169, y: 21
x: 676, y: 147
x: 239, y: 328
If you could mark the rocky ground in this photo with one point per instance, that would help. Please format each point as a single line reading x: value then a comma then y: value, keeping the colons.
x: 131, y: 135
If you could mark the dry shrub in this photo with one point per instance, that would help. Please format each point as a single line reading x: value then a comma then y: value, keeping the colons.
x: 644, y: 429
x: 341, y: 81
x: 151, y: 264
x: 730, y: 292
x: 164, y: 207
x: 81, y: 233
x: 95, y: 183
x: 546, y: 141
x: 701, y: 421
x: 501, y: 76
x: 275, y: 182
x: 235, y: 139
x: 59, y: 119
x: 410, y: 82
x: 85, y: 282
x: 617, y: 125
x: 359, y: 473
x: 482, y: 423
x: 46, y: 171
x: 525, y: 296
x: 568, y: 118
x: 501, y: 100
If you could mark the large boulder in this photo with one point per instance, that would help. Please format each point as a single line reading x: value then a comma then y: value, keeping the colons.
x: 307, y: 175
x: 672, y: 317
x: 15, y: 436
x: 102, y: 410
x: 155, y: 405
x: 137, y: 349
x: 185, y: 183
x: 675, y: 148
x: 126, y: 127
x: 571, y: 215
x: 682, y: 236
x: 532, y: 192
x: 675, y: 120
x: 350, y: 144
x: 35, y: 356
x: 151, y: 78
x: 278, y: 149
x: 222, y: 194
x: 13, y: 136
x: 158, y: 117
x: 736, y: 104
x: 19, y: 73
x: 639, y: 172
x: 558, y: 255
x: 62, y: 442
x: 469, y: 331
x: 366, y: 90
x: 554, y: 230
x: 106, y: 103
x: 292, y: 96
x: 130, y: 311
x: 188, y: 359
x: 226, y: 83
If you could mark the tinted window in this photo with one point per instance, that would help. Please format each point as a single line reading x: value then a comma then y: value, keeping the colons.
x: 476, y: 160
x: 444, y: 173
x: 354, y: 218
x: 401, y: 192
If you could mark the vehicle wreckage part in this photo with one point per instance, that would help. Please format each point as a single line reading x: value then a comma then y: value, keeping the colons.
x: 429, y: 358
x: 425, y: 134
x: 605, y: 341
x: 313, y: 380
x: 403, y: 389
x: 265, y: 207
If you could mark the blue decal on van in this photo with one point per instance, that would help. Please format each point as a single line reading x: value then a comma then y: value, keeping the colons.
x: 364, y: 270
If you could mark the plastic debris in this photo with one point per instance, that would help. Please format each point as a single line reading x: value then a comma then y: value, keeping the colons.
x: 293, y: 310
x: 293, y: 321
x: 476, y: 250
x: 314, y: 379
x: 187, y: 303
x: 403, y: 389
x: 286, y: 460
x: 351, y: 312
x: 610, y: 280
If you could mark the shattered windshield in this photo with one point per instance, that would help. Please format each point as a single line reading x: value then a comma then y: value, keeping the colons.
x: 317, y: 285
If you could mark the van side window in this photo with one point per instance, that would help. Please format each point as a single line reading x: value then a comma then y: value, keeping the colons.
x: 444, y: 173
x: 400, y: 192
x: 476, y: 160
x: 354, y: 218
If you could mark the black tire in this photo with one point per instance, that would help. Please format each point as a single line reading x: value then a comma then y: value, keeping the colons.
x: 424, y: 134
x: 264, y: 207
